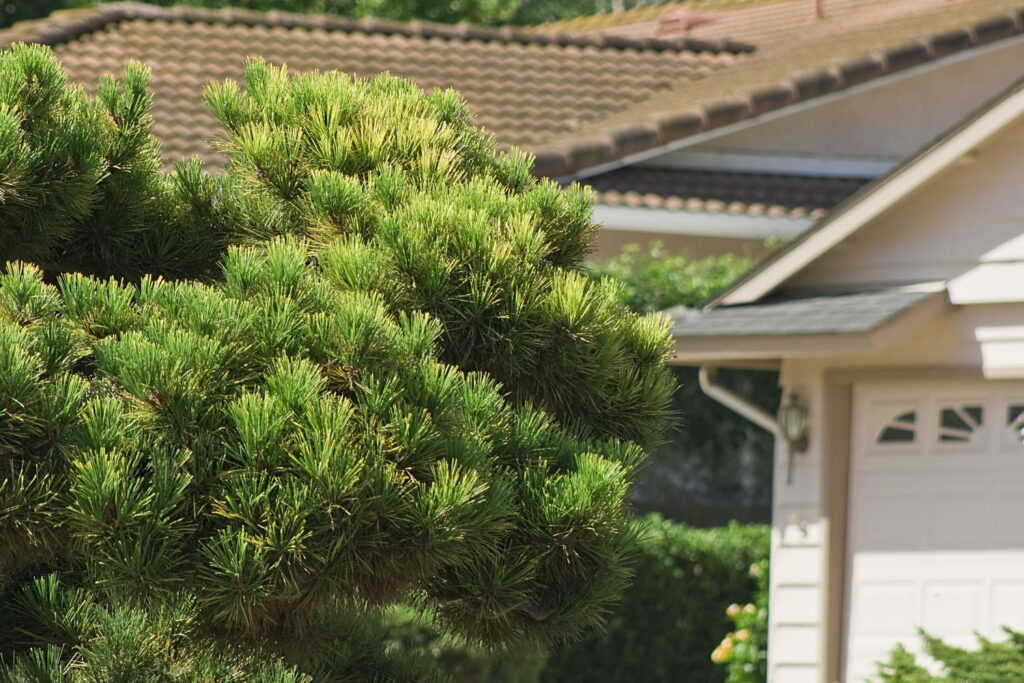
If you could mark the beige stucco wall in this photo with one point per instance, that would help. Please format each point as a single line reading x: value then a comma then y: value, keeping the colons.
x: 891, y: 120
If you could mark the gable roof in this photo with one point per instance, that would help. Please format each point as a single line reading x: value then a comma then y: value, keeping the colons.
x: 878, y: 197
x: 575, y: 101
x: 810, y: 61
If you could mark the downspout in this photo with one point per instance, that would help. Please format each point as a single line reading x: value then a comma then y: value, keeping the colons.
x: 737, y: 404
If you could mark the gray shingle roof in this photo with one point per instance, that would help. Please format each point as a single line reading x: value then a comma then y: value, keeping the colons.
x: 832, y: 314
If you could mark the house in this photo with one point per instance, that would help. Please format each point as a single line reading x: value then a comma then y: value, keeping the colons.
x: 895, y: 324
x: 711, y: 144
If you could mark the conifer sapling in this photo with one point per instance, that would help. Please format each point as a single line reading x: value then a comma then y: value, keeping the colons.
x: 358, y: 366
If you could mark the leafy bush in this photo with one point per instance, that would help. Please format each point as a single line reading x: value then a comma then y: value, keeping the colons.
x: 744, y: 650
x: 714, y: 466
x: 674, y: 613
x: 655, y: 279
x: 993, y: 662
x: 416, y: 634
x: 684, y: 580
x: 394, y: 385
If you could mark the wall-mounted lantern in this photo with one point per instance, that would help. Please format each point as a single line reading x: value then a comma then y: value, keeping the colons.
x: 793, y: 423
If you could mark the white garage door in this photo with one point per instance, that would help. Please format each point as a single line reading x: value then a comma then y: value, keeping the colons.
x: 936, y: 535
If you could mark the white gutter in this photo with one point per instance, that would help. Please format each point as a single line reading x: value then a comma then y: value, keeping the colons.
x: 815, y: 166
x: 735, y: 403
x: 639, y: 158
x: 699, y: 223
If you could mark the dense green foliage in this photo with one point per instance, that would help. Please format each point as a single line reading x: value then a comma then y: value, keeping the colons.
x: 385, y: 379
x: 993, y: 662
x: 744, y: 650
x: 80, y: 177
x: 685, y: 593
x: 715, y: 465
x: 674, y: 613
x: 654, y: 279
x: 412, y: 633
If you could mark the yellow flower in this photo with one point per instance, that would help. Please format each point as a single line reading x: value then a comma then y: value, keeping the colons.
x: 750, y: 608
x: 742, y: 635
x: 732, y: 610
x: 721, y: 654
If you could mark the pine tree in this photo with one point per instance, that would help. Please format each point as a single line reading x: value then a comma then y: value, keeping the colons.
x: 361, y: 365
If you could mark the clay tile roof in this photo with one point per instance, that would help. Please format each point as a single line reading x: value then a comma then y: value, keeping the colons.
x: 798, y: 58
x: 526, y: 88
x: 754, y: 194
x: 578, y: 101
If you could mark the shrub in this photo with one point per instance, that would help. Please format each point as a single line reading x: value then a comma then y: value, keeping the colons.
x: 993, y: 662
x: 715, y: 466
x: 655, y: 279
x: 395, y: 384
x: 674, y: 613
x: 744, y: 650
x: 417, y: 635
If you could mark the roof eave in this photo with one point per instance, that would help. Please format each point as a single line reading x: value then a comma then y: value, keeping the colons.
x: 670, y: 131
x: 723, y: 224
x: 877, y: 198
x: 773, y: 348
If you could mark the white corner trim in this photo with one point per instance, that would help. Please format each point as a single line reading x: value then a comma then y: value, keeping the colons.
x: 853, y: 91
x: 784, y: 164
x: 1002, y: 348
x: 880, y: 198
x: 699, y: 224
x: 989, y: 283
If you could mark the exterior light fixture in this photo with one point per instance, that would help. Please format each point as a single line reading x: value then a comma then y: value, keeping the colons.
x: 793, y: 423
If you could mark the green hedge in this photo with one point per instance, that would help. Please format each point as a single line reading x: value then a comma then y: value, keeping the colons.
x: 670, y: 620
x: 673, y: 615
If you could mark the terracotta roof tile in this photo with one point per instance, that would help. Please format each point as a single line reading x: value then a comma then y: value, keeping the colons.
x: 715, y: 192
x: 526, y: 88
x: 799, y: 58
x: 576, y: 100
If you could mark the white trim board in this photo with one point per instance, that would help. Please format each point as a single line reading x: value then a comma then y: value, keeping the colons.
x: 700, y: 138
x: 699, y: 224
x: 784, y: 164
x: 880, y: 197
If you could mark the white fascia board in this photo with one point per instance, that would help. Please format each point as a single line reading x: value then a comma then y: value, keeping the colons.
x: 785, y: 164
x: 880, y: 198
x: 853, y: 91
x: 699, y: 224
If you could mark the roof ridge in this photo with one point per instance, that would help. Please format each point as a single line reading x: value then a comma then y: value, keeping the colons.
x: 65, y: 25
x: 611, y: 146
